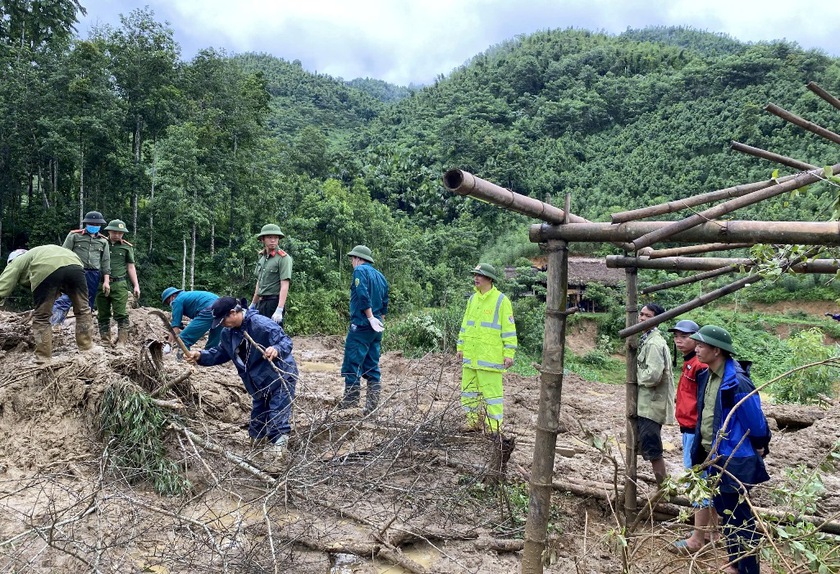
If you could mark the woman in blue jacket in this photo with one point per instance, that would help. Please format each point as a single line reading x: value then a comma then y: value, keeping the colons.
x: 726, y: 396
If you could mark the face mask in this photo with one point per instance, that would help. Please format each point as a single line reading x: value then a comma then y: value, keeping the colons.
x: 92, y: 229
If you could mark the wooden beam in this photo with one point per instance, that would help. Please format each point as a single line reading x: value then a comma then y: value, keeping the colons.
x: 802, y: 123
x: 690, y: 279
x: 774, y: 157
x: 695, y: 249
x: 814, y: 87
x: 829, y: 266
x: 780, y: 232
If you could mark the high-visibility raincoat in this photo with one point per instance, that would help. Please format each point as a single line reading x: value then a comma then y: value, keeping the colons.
x: 488, y: 331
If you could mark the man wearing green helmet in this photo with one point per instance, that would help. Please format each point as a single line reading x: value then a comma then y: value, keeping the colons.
x: 274, y: 274
x: 122, y: 271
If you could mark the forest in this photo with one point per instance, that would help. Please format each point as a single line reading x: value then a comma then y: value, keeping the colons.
x: 197, y: 155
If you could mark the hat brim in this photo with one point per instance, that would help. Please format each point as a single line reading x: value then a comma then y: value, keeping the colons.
x: 360, y: 256
x: 95, y: 222
x: 217, y: 321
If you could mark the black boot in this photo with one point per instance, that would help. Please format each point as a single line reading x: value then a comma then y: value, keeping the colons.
x: 350, y: 399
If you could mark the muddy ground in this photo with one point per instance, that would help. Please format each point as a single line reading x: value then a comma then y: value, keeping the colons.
x: 359, y: 494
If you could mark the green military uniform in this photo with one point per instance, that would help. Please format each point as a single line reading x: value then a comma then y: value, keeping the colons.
x: 122, y: 255
x: 271, y: 270
x: 92, y: 250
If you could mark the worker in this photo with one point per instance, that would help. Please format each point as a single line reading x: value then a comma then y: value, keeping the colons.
x: 123, y: 270
x: 196, y: 306
x: 274, y: 274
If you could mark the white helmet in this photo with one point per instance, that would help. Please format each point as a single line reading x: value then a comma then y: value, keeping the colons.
x: 15, y: 253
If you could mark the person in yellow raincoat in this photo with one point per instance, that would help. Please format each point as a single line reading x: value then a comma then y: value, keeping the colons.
x: 486, y: 345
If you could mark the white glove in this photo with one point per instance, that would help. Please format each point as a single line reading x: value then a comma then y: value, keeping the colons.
x: 376, y: 324
x: 278, y: 315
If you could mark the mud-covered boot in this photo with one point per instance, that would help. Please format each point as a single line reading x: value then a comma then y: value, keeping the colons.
x: 275, y: 454
x: 105, y: 336
x: 350, y: 399
x: 371, y: 400
x: 43, y: 342
x: 84, y: 331
x: 256, y: 448
x: 122, y: 334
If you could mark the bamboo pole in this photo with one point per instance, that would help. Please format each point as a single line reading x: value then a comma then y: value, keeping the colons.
x: 464, y: 183
x: 802, y: 123
x: 814, y: 87
x: 800, y: 180
x: 828, y: 266
x: 774, y: 157
x: 548, y: 417
x: 825, y: 233
x: 694, y: 200
x: 631, y: 349
x: 685, y: 307
x: 695, y: 249
x: 691, y: 279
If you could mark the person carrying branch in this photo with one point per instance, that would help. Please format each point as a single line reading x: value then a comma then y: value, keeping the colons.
x: 732, y: 429
x: 262, y: 354
x: 655, y: 402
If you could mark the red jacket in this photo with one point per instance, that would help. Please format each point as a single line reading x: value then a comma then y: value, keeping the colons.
x: 686, y: 411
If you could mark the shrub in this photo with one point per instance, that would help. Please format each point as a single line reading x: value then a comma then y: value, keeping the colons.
x: 805, y: 386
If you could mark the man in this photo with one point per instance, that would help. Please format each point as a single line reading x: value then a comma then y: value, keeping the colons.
x: 267, y: 369
x: 46, y: 270
x: 274, y: 273
x: 122, y: 270
x: 363, y: 345
x: 195, y: 305
x: 739, y: 448
x: 705, y: 521
x: 92, y: 249
x: 655, y: 401
x: 486, y: 347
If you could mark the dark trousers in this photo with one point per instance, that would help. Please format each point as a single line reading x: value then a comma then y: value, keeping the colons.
x: 268, y: 305
x: 270, y: 414
x: 361, y: 359
x: 738, y: 523
x: 92, y: 278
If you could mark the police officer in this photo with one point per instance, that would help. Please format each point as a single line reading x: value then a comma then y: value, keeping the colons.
x: 122, y: 271
x: 486, y: 346
x: 92, y: 248
x: 274, y: 273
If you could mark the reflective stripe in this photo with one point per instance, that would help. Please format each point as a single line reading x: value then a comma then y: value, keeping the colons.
x: 467, y: 361
x: 499, y: 401
x: 463, y: 330
x: 508, y: 335
x: 469, y: 394
x: 494, y: 417
x: 511, y: 347
x: 469, y: 409
x: 489, y: 364
x: 469, y: 324
x: 460, y: 342
x: 495, y: 324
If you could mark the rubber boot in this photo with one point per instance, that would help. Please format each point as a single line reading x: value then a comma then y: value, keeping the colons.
x: 84, y: 332
x: 275, y: 453
x: 350, y: 399
x: 257, y: 447
x: 122, y: 333
x: 105, y: 336
x: 372, y: 398
x: 43, y: 342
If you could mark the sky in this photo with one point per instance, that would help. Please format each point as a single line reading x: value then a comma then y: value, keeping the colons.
x: 414, y: 41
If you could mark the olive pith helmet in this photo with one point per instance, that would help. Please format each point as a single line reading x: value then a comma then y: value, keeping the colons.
x: 715, y: 336
x: 117, y: 225
x: 169, y: 292
x: 486, y: 270
x: 362, y: 252
x: 270, y: 229
x: 93, y: 218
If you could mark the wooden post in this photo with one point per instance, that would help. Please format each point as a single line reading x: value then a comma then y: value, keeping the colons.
x: 774, y: 157
x: 548, y: 416
x: 631, y: 347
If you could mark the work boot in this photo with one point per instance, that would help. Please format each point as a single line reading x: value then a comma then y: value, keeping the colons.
x: 84, y: 327
x: 43, y: 342
x: 275, y: 453
x: 350, y: 399
x: 122, y: 334
x: 105, y: 336
x: 371, y: 401
x: 256, y: 450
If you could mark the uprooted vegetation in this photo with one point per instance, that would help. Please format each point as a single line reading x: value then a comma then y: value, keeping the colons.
x: 128, y: 460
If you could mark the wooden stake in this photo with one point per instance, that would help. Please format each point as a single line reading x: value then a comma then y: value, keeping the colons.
x: 631, y: 349
x: 774, y: 157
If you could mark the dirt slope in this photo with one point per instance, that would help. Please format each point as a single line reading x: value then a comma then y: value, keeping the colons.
x: 403, y: 485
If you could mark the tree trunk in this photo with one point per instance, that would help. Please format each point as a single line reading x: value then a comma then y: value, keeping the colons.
x: 152, y: 197
x: 184, y: 267
x: 81, y: 185
x: 630, y: 393
x: 192, y: 260
x: 213, y: 238
x: 137, y: 147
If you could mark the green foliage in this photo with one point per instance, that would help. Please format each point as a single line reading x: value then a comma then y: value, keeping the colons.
x: 133, y: 427
x: 416, y: 335
x: 806, y: 386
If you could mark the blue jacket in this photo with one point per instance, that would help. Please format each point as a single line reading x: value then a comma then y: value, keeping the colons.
x: 368, y: 289
x: 742, y: 461
x: 259, y: 377
x: 190, y: 303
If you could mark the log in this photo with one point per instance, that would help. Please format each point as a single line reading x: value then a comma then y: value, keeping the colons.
x: 691, y: 279
x: 465, y: 183
x: 814, y: 87
x: 829, y: 266
x: 802, y: 123
x: 737, y: 231
x: 774, y: 157
x: 695, y: 249
x: 631, y: 346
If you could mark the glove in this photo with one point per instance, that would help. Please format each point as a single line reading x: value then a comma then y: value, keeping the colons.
x: 278, y: 315
x: 376, y: 324
x: 252, y: 306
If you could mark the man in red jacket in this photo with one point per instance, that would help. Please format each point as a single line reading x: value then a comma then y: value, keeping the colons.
x: 705, y: 519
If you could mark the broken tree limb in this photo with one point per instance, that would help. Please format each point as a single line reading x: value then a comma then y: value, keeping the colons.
x: 464, y: 183
x: 799, y: 181
x: 770, y: 156
x: 737, y: 231
x: 695, y: 249
x: 814, y: 87
x: 177, y: 380
x: 691, y: 279
x: 802, y: 123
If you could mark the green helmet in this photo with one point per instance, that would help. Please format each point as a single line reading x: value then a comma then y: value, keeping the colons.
x: 270, y: 229
x: 362, y: 252
x: 486, y: 270
x: 715, y: 336
x: 117, y: 225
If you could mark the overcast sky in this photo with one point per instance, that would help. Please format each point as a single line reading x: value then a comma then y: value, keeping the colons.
x: 412, y: 41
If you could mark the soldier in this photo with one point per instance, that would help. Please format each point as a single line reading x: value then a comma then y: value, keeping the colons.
x: 46, y: 270
x: 274, y: 273
x: 122, y: 270
x: 92, y: 249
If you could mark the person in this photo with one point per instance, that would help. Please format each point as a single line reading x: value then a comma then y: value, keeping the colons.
x: 486, y: 347
x: 46, y: 270
x: 835, y: 316
x: 655, y: 401
x: 268, y: 371
x: 195, y: 305
x: 369, y: 293
x: 122, y: 271
x: 92, y: 248
x: 705, y: 520
x: 739, y: 448
x: 274, y: 274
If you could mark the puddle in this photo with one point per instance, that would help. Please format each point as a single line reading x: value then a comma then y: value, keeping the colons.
x: 422, y: 553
